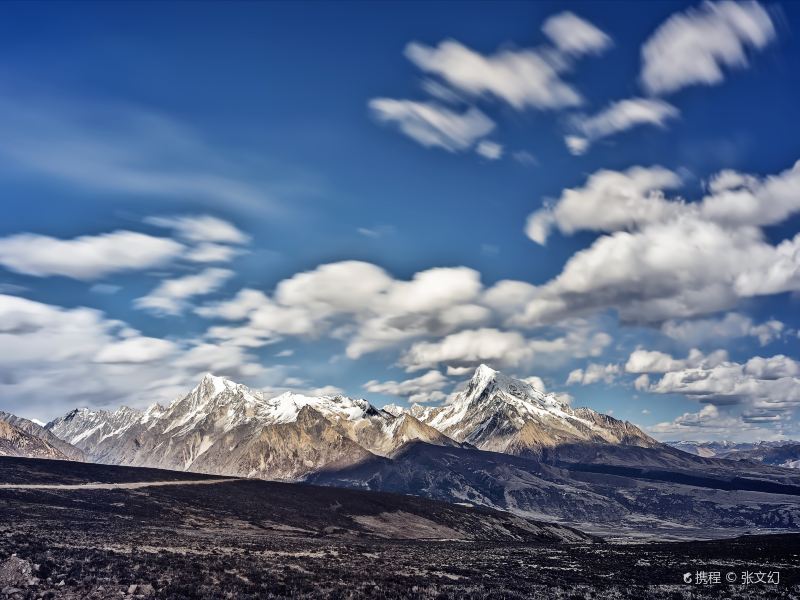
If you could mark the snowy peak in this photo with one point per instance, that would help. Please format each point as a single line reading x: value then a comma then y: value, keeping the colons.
x: 487, y: 384
x: 502, y: 414
x: 212, y: 387
x: 285, y: 408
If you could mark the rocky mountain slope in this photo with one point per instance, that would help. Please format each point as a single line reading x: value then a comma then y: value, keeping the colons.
x: 34, y: 429
x: 681, y: 497
x: 16, y: 442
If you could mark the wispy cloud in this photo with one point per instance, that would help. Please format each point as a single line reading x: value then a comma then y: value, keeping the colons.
x: 171, y: 296
x: 576, y: 36
x: 432, y: 124
x: 694, y: 47
x: 122, y: 150
x: 489, y: 150
x: 619, y: 116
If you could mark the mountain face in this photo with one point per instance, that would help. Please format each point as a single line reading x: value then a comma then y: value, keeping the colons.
x: 501, y: 414
x: 16, y: 442
x: 225, y: 428
x: 68, y: 450
x: 683, y: 496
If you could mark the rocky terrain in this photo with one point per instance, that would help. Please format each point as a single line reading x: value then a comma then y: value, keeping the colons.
x: 257, y: 539
x: 36, y: 430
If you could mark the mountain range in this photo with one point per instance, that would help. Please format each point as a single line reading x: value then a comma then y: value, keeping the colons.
x: 500, y: 443
x: 779, y: 453
x: 225, y: 428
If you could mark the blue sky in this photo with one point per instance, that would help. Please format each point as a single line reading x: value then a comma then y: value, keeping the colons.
x: 378, y: 197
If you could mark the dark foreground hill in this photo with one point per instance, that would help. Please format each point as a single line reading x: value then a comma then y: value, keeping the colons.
x: 127, y: 533
x: 659, y: 492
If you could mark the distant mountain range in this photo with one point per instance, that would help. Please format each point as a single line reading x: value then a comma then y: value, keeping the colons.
x: 783, y: 453
x: 500, y: 443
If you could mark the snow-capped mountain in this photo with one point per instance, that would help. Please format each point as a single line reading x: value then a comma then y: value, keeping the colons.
x: 224, y: 427
x: 498, y: 413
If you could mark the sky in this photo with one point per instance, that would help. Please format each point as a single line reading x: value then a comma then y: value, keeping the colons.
x: 374, y: 198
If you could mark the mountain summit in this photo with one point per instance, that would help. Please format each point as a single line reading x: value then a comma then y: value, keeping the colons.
x: 502, y: 414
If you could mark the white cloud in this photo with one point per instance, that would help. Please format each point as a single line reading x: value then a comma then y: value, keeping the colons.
x: 470, y: 346
x: 576, y: 144
x: 504, y: 349
x: 573, y: 35
x: 170, y: 296
x: 712, y: 422
x: 642, y: 382
x: 201, y: 228
x: 433, y: 125
x: 422, y: 389
x: 86, y: 257
x: 458, y: 371
x: 609, y: 201
x: 376, y: 232
x: 210, y: 253
x: 441, y: 92
x: 619, y: 116
x: 489, y: 150
x: 677, y: 259
x: 218, y: 358
x: 91, y: 360
x: 508, y: 295
x: 593, y: 373
x: 697, y: 332
x: 708, y: 420
x: 739, y: 199
x: 359, y: 302
x: 522, y: 78
x: 695, y: 46
x: 770, y: 384
x: 774, y: 367
x: 136, y: 350
x: 653, y: 361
